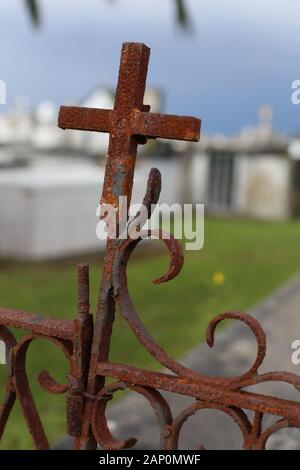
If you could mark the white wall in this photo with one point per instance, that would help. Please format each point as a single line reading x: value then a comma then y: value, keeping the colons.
x: 199, y: 177
x: 170, y: 169
x: 263, y: 186
x: 49, y: 211
x: 45, y: 216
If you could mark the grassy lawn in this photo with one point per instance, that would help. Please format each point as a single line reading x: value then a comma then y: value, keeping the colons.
x: 254, y: 257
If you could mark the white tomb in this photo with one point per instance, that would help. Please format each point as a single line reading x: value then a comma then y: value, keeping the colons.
x: 49, y: 210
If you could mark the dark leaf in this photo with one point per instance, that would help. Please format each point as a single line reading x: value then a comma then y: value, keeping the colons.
x: 34, y: 12
x: 182, y: 14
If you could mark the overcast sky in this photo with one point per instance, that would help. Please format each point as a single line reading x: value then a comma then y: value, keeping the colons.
x: 240, y: 55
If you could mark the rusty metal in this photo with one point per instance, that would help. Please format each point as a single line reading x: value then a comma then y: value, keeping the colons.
x: 86, y: 343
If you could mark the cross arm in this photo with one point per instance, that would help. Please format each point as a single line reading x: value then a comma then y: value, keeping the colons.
x: 167, y: 126
x: 88, y: 119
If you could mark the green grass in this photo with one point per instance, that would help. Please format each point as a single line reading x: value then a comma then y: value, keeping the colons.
x: 255, y: 258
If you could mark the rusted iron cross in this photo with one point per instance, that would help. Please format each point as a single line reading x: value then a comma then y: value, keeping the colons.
x: 86, y: 344
x: 128, y: 124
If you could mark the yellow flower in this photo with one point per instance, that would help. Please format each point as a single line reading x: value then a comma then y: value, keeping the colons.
x: 218, y: 278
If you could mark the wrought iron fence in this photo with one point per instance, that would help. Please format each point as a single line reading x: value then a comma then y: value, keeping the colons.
x: 86, y: 343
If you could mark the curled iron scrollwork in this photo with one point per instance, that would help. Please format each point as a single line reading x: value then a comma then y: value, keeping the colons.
x: 227, y: 395
x: 18, y: 388
x: 222, y: 394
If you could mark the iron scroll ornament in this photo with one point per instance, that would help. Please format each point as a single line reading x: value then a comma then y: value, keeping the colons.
x: 225, y: 395
x: 86, y: 342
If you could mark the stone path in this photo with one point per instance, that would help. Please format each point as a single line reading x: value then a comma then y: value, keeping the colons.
x: 232, y: 354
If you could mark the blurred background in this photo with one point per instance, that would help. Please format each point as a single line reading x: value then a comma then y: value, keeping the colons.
x: 230, y: 63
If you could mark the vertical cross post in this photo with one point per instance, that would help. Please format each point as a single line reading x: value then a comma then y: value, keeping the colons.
x: 129, y: 123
